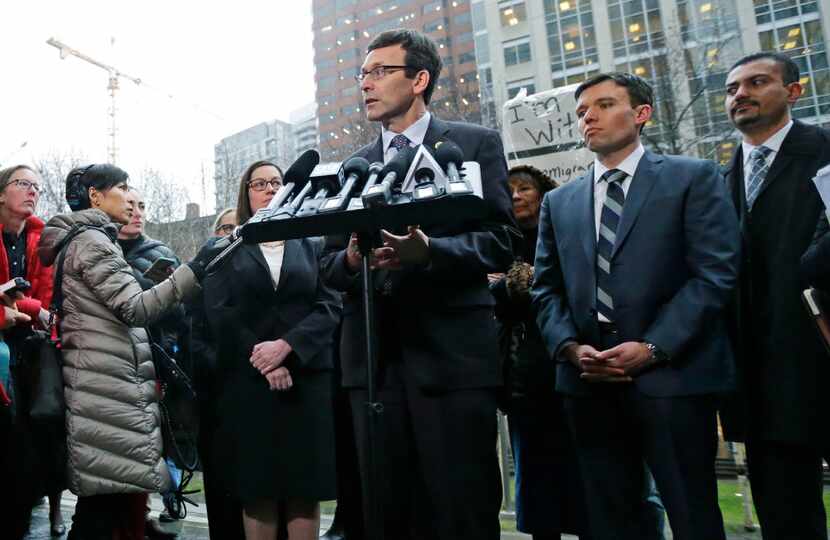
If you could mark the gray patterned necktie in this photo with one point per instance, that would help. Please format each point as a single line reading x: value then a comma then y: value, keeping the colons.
x: 608, y: 222
x: 757, y: 172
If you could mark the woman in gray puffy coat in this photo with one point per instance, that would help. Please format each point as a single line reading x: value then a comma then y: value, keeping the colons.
x: 114, y: 438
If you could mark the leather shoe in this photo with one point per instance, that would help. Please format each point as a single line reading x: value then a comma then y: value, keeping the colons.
x: 58, y: 529
x: 153, y: 531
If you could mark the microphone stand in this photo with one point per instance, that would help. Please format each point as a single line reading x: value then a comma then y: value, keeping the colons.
x: 374, y: 408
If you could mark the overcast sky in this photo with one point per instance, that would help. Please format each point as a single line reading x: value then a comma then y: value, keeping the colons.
x: 228, y: 65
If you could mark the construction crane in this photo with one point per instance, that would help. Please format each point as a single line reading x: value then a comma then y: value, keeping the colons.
x: 113, y: 86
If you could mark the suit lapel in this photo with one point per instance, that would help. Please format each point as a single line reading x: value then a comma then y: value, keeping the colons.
x: 781, y: 162
x: 584, y: 205
x: 436, y: 130
x: 375, y: 153
x: 253, y: 252
x: 796, y: 144
x: 644, y: 178
x: 288, y: 258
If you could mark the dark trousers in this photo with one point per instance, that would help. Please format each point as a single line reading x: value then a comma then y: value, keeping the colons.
x: 617, y: 431
x: 439, y: 467
x: 224, y: 512
x: 109, y: 517
x: 787, y: 488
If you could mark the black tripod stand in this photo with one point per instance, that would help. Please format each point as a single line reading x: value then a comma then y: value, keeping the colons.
x: 374, y: 409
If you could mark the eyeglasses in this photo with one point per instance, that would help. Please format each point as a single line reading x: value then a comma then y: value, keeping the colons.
x: 227, y: 228
x: 260, y: 185
x: 26, y: 185
x: 378, y: 72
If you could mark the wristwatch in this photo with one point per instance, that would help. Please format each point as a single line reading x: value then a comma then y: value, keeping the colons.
x: 657, y: 354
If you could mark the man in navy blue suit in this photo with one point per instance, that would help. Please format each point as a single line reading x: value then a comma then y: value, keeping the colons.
x: 635, y: 263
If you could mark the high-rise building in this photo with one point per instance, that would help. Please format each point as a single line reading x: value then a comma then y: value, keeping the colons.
x: 273, y: 141
x: 342, y: 32
x: 683, y: 47
x: 304, y: 122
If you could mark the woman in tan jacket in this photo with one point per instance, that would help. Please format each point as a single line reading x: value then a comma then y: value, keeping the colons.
x: 114, y: 438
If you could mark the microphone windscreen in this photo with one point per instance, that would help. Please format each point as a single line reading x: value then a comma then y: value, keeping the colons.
x: 357, y: 166
x: 448, y: 152
x: 300, y: 170
x: 400, y: 162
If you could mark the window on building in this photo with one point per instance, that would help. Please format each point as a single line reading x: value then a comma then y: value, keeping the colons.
x: 482, y: 46
x: 793, y: 27
x: 326, y: 83
x: 461, y: 20
x: 325, y: 63
x: 435, y: 26
x: 513, y: 87
x: 479, y: 18
x: 348, y: 55
x: 517, y: 52
x: 431, y: 7
x: 468, y: 57
x: 512, y: 13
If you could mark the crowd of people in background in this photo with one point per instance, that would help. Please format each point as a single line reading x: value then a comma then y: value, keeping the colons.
x: 613, y: 319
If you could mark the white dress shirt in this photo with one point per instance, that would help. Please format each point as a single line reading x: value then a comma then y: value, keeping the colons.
x: 773, y: 143
x: 273, y: 253
x: 415, y: 133
x: 628, y: 166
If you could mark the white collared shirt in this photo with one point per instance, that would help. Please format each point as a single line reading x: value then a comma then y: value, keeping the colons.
x: 415, y: 133
x: 773, y: 143
x: 629, y: 166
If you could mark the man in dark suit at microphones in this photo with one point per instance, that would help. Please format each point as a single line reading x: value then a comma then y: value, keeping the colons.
x: 437, y: 351
x: 635, y: 263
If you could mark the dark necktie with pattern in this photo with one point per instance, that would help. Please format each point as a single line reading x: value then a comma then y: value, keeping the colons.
x: 384, y: 276
x: 399, y: 141
x: 757, y: 172
x: 608, y: 222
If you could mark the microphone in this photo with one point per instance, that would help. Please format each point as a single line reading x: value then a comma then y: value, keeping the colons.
x: 450, y: 157
x: 296, y: 175
x: 425, y: 184
x: 355, y: 170
x: 394, y: 172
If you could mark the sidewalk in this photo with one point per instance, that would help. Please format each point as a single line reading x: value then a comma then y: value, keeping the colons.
x: 194, y: 526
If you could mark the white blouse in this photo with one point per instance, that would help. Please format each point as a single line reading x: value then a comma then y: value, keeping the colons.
x: 273, y: 252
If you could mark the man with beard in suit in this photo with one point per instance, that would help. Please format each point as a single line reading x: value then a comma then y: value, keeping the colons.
x: 783, y: 404
x: 438, y: 356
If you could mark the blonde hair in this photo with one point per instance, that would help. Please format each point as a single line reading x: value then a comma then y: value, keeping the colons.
x: 218, y: 221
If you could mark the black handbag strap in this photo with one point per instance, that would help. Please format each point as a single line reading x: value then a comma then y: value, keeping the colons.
x: 56, y: 305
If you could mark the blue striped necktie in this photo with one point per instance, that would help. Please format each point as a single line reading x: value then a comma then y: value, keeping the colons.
x: 757, y: 172
x: 608, y: 222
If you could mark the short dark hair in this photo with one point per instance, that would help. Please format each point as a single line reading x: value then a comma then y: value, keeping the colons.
x: 789, y: 69
x: 529, y: 173
x: 101, y: 176
x: 639, y: 91
x: 243, y: 203
x: 421, y: 54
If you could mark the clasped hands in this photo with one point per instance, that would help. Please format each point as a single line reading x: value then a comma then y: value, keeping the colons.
x: 410, y: 249
x: 268, y: 357
x: 615, y: 365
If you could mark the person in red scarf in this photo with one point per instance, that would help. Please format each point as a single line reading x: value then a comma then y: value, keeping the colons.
x: 29, y: 458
